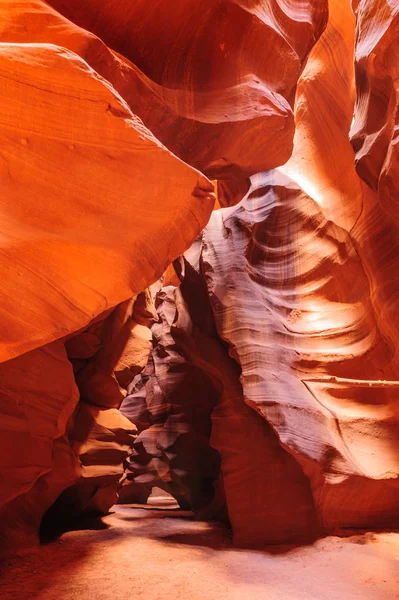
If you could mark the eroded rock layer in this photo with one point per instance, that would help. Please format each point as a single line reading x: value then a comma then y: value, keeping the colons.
x: 375, y: 126
x: 171, y: 402
x: 222, y: 93
x: 259, y: 376
x: 291, y: 297
x: 71, y: 254
x: 302, y: 282
x: 255, y: 470
x: 38, y: 396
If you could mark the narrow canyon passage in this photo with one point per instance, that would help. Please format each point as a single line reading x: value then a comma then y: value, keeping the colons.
x: 160, y: 554
x: 199, y: 296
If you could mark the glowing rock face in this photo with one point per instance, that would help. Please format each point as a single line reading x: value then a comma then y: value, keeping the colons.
x: 300, y: 291
x: 94, y: 208
x: 101, y: 104
x: 211, y: 93
x: 65, y: 235
x: 374, y: 130
x: 291, y: 298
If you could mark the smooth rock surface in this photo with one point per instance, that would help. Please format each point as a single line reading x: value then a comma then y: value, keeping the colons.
x: 261, y: 371
x: 222, y: 94
x: 67, y: 256
x: 38, y: 396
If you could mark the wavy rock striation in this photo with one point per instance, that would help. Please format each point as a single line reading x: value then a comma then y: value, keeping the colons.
x: 291, y: 297
x: 60, y: 228
x: 208, y: 107
x: 375, y: 126
x: 76, y: 166
x: 171, y: 402
x: 297, y: 281
x: 261, y: 376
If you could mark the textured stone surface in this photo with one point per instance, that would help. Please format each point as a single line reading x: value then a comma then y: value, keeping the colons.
x: 102, y: 438
x: 256, y: 471
x: 38, y: 396
x: 290, y: 296
x: 66, y: 255
x: 297, y: 281
x: 86, y: 192
x: 260, y: 374
x: 171, y: 403
x: 374, y: 130
x: 210, y: 105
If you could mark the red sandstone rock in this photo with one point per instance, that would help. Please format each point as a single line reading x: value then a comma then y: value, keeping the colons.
x: 101, y: 438
x: 302, y: 275
x: 291, y: 298
x: 322, y: 162
x: 171, y: 402
x: 223, y: 93
x: 267, y: 495
x: 67, y: 254
x: 38, y: 395
x: 376, y: 116
x: 296, y: 281
x: 125, y: 343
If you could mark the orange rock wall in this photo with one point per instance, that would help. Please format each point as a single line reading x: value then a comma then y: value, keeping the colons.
x: 285, y: 309
x: 302, y: 283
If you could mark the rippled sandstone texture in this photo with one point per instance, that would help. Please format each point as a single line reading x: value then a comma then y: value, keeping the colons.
x: 302, y: 280
x: 171, y: 402
x: 214, y: 101
x: 62, y: 117
x: 94, y: 208
x: 263, y: 374
x: 375, y: 126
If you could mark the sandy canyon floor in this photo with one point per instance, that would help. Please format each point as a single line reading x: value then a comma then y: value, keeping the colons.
x: 165, y: 555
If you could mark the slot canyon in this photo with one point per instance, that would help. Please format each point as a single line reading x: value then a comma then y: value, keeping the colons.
x: 199, y: 348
